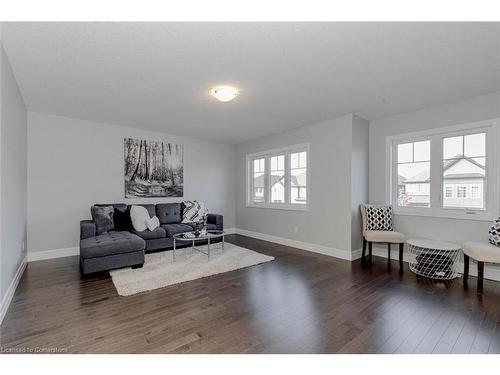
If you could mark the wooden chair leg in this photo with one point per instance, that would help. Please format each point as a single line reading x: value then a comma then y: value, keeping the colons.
x: 480, y: 277
x: 364, y: 250
x: 370, y: 250
x: 401, y: 248
x: 389, y: 254
x: 466, y: 269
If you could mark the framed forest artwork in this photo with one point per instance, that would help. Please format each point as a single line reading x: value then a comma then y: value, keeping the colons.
x: 153, y: 169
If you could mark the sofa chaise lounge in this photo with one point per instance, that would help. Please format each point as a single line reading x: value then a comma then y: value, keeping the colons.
x: 125, y: 248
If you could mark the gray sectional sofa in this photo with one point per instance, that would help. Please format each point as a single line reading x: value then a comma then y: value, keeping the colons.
x: 126, y: 247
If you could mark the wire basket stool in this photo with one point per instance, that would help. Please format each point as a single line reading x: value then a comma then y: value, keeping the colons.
x: 434, y: 259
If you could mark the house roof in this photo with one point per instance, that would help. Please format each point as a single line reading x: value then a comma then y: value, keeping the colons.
x: 424, y: 177
x: 448, y: 163
x: 297, y: 180
x: 419, y: 177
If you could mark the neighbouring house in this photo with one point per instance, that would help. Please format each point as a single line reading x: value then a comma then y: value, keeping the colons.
x: 298, y: 193
x: 463, y: 185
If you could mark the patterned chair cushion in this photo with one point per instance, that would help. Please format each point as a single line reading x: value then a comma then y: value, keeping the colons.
x: 494, y: 233
x: 379, y: 217
x: 386, y: 236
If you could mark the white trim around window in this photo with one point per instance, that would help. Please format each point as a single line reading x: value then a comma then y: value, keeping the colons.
x: 266, y: 202
x: 436, y: 136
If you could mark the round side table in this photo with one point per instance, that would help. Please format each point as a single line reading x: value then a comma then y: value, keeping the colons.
x: 436, y: 260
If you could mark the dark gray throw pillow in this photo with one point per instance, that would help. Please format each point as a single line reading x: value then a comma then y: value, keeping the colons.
x: 122, y: 220
x: 103, y: 218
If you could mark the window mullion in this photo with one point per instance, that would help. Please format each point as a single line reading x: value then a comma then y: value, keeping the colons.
x: 394, y: 176
x: 287, y: 178
x: 267, y: 179
x: 251, y: 185
x: 436, y: 185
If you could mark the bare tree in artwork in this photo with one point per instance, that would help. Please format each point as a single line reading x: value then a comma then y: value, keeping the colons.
x: 153, y: 169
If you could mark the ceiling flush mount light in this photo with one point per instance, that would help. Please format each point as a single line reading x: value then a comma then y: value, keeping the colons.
x: 225, y: 93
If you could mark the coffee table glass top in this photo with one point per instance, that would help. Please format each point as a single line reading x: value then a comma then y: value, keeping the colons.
x: 189, y: 236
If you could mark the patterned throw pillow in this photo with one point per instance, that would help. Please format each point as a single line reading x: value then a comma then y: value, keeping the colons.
x: 103, y: 218
x: 378, y: 217
x: 494, y: 233
x: 192, y: 212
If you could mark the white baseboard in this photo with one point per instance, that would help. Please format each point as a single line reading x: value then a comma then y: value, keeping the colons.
x: 4, y: 305
x: 51, y: 254
x: 490, y: 272
x: 356, y: 254
x: 325, y: 250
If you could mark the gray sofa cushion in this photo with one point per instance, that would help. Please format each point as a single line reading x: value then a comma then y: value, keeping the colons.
x: 172, y: 229
x: 169, y: 213
x: 150, y: 235
x: 110, y: 243
x: 211, y: 226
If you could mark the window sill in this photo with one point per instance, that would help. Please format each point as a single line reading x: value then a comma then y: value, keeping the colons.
x: 458, y: 215
x: 286, y: 207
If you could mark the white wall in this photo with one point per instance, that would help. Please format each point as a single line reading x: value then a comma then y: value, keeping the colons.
x: 359, y: 177
x: 74, y: 163
x: 328, y: 221
x: 469, y: 110
x: 13, y: 176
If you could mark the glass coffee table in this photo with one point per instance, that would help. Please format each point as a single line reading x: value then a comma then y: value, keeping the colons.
x: 192, y: 237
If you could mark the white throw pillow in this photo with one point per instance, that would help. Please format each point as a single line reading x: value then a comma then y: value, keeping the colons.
x: 140, y: 217
x: 153, y: 223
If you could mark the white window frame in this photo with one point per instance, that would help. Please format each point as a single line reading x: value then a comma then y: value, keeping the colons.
x: 303, y: 147
x: 436, y: 209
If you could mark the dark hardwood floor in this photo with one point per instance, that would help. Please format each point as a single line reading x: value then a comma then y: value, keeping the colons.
x: 300, y: 303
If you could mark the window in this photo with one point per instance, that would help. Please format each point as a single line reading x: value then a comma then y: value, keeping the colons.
x: 464, y: 163
x: 279, y: 178
x: 448, y: 172
x: 461, y: 192
x: 298, y: 177
x: 259, y: 172
x: 476, y: 192
x: 413, y: 170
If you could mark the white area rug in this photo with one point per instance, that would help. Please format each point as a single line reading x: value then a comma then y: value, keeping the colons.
x: 159, y: 270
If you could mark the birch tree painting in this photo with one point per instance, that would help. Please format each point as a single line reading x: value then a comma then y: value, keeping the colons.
x: 153, y: 169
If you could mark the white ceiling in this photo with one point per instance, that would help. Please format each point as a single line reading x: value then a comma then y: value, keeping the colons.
x: 158, y: 75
